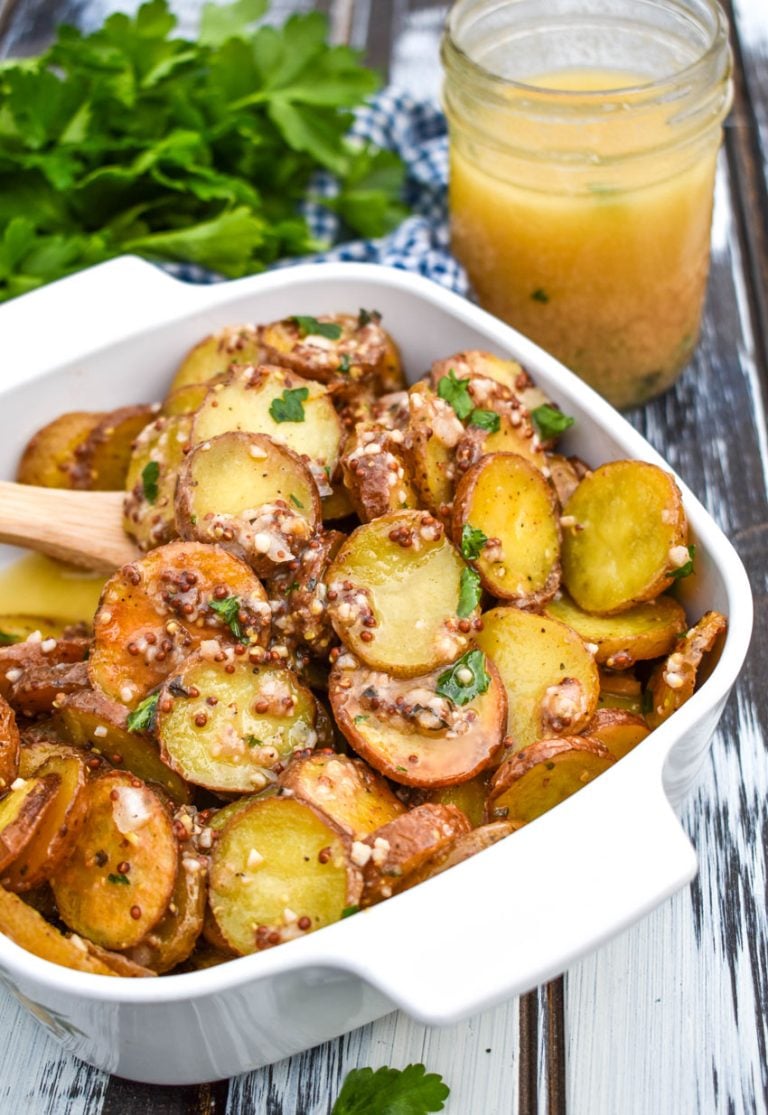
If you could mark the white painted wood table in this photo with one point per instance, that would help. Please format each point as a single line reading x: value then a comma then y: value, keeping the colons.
x: 671, y: 1018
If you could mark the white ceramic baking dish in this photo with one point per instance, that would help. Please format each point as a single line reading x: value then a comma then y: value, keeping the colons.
x: 492, y: 927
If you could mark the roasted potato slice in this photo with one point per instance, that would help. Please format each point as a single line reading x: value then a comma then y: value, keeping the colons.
x: 644, y: 631
x: 328, y: 348
x: 375, y: 472
x: 186, y: 400
x: 463, y: 847
x: 174, y: 937
x: 29, y: 929
x: 228, y: 724
x: 346, y: 789
x: 9, y: 746
x: 477, y: 362
x: 469, y: 796
x: 97, y: 724
x: 532, y: 781
x: 280, y: 869
x: 294, y: 412
x: 49, y: 456
x: 382, y: 572
x: 392, y: 411
x: 625, y: 536
x: 337, y: 505
x: 22, y: 813
x: 551, y: 678
x: 565, y: 474
x: 254, y: 497
x: 214, y: 355
x: 617, y: 730
x: 34, y: 653
x: 158, y: 452
x: 40, y: 689
x: 392, y: 853
x: 674, y: 680
x: 60, y: 827
x: 509, y: 431
x: 101, y: 461
x: 154, y: 612
x: 620, y: 690
x: 298, y: 596
x: 505, y: 519
x: 435, y: 730
x: 18, y: 628
x: 429, y: 445
x: 118, y: 882
x: 390, y: 376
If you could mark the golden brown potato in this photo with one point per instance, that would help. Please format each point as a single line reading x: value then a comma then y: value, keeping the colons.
x: 214, y: 355
x: 28, y: 929
x: 469, y: 796
x: 186, y: 400
x: 477, y: 362
x: 429, y: 446
x: 9, y: 746
x: 101, y: 461
x: 40, y: 689
x: 463, y: 847
x: 158, y: 452
x: 249, y: 494
x: 551, y: 678
x: 174, y: 937
x: 617, y: 730
x: 620, y: 690
x: 644, y: 631
x: 375, y: 472
x: 625, y: 536
x: 329, y: 347
x: 347, y: 790
x: 22, y: 813
x: 505, y: 520
x: 378, y: 574
x: 565, y: 474
x: 116, y: 885
x: 674, y: 680
x: 49, y: 456
x: 337, y: 505
x: 390, y: 376
x: 154, y: 612
x: 299, y: 600
x: 36, y: 652
x: 280, y: 869
x: 509, y: 431
x: 532, y: 781
x: 435, y: 730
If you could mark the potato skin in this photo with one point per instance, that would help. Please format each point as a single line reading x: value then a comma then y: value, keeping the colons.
x: 561, y: 767
x: 9, y: 745
x: 353, y: 795
x: 673, y: 681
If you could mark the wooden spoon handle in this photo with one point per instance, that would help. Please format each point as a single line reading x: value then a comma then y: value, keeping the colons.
x: 83, y: 528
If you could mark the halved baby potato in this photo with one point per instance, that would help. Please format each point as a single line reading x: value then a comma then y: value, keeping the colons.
x: 346, y: 789
x: 49, y: 455
x: 617, y: 730
x: 625, y: 536
x: 643, y: 631
x: 280, y: 869
x: 477, y: 362
x: 158, y: 452
x: 534, y: 780
x: 214, y: 355
x: 507, y: 505
x: 41, y: 688
x: 469, y: 796
x: 429, y: 446
x: 674, y: 680
x: 395, y: 595
x: 463, y: 847
x: 174, y: 937
x: 551, y: 678
x: 621, y: 690
x: 435, y: 730
x: 375, y: 472
x: 101, y: 461
x: 228, y: 724
x: 253, y: 496
x: 326, y: 348
x: 9, y: 745
x: 299, y: 597
x: 509, y: 432
x: 22, y: 813
x: 117, y: 883
x: 154, y: 612
x: 17, y: 659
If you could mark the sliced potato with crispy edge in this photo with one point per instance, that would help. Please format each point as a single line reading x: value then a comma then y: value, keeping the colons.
x: 227, y: 725
x: 354, y: 796
x: 16, y: 659
x: 186, y: 400
x: 469, y: 796
x: 429, y: 446
x: 295, y: 412
x: 395, y: 595
x: 118, y: 882
x: 254, y: 497
x: 101, y: 461
x: 644, y: 631
x: 505, y: 502
x: 280, y: 869
x: 624, y: 537
x: 513, y: 433
x: 174, y: 937
x: 463, y: 847
x: 40, y: 689
x: 158, y: 452
x: 620, y: 689
x: 565, y: 474
x: 154, y: 612
x: 29, y: 929
x: 534, y: 780
x: 97, y: 724
x: 551, y: 678
x: 477, y: 362
x: 617, y: 730
x: 337, y: 505
x: 346, y: 346
x: 390, y: 854
x: 298, y: 596
x: 9, y: 746
x: 49, y: 456
x: 424, y: 731
x: 390, y: 375
x: 117, y: 962
x: 22, y: 813
x: 58, y: 831
x: 18, y: 628
x: 375, y: 472
x: 209, y: 358
x: 674, y: 680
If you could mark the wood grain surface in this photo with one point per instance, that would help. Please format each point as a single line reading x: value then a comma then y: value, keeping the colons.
x: 670, y: 1018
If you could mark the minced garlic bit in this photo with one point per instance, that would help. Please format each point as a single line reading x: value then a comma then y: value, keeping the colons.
x: 380, y: 850
x: 100, y: 731
x: 18, y: 783
x: 255, y: 859
x: 678, y: 556
x: 360, y: 853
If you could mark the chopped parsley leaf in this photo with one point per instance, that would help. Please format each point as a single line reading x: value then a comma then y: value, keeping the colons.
x: 344, y: 363
x: 228, y: 609
x: 465, y: 680
x: 365, y: 317
x: 485, y: 419
x: 126, y: 882
x: 456, y: 392
x: 6, y: 639
x: 311, y: 326
x: 549, y: 421
x: 348, y: 911
x: 150, y: 474
x: 143, y: 717
x: 540, y: 295
x: 687, y: 569
x: 472, y: 541
x: 289, y: 407
x: 359, y: 719
x: 469, y: 593
x: 296, y: 501
x: 253, y: 741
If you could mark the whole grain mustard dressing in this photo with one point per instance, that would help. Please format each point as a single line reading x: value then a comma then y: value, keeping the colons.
x: 37, y: 586
x: 605, y: 269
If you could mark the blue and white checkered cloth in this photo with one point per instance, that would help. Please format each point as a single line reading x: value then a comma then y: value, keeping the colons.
x: 417, y: 131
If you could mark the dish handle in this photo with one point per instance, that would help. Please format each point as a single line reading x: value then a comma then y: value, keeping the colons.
x: 521, y: 911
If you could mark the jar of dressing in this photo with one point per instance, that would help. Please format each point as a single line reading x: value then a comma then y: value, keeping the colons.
x: 584, y: 137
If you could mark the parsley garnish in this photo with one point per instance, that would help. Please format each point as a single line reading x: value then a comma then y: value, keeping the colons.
x: 253, y: 741
x: 365, y: 317
x: 486, y: 420
x: 149, y: 477
x: 344, y: 363
x: 6, y: 639
x: 289, y: 407
x: 540, y: 295
x: 687, y: 569
x: 458, y: 686
x: 348, y: 911
x: 228, y: 609
x: 456, y: 392
x: 469, y: 592
x: 549, y: 421
x: 126, y: 882
x: 647, y: 702
x: 143, y: 717
x: 408, y: 1091
x: 472, y: 541
x: 296, y: 501
x: 310, y: 325
x: 359, y: 719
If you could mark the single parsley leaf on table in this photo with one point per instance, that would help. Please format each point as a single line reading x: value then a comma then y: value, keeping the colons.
x: 387, y: 1091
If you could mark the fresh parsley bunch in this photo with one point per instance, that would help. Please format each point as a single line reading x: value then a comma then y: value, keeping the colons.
x: 131, y: 140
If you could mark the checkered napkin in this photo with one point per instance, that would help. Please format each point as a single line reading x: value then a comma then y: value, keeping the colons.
x: 416, y: 130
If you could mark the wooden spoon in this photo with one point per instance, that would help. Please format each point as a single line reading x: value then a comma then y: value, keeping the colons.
x: 83, y: 528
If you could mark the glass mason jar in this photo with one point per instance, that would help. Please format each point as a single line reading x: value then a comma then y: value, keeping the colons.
x: 584, y: 137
